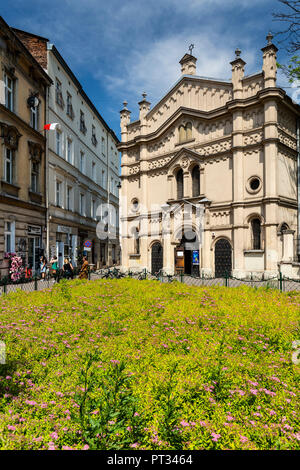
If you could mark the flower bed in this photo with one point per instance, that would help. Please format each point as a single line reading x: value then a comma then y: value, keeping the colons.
x: 120, y: 364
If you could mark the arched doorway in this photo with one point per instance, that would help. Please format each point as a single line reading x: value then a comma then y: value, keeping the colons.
x: 223, y: 264
x: 156, y: 258
x: 189, y: 250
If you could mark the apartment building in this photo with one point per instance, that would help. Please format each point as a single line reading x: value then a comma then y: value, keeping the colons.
x: 23, y: 89
x: 83, y: 163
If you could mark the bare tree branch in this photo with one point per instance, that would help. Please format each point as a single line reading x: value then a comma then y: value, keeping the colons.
x: 291, y: 35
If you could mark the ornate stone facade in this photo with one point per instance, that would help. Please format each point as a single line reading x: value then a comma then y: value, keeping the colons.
x: 227, y: 149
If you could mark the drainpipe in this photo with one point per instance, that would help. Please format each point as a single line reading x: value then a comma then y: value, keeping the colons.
x: 298, y: 186
x: 47, y: 175
x: 108, y: 190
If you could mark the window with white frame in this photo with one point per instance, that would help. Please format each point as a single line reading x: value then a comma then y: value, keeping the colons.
x: 93, y: 171
x: 69, y: 198
x: 70, y: 111
x: 82, y: 123
x: 103, y: 145
x: 9, y: 165
x: 94, y: 138
x: 58, y: 142
x: 9, y: 91
x: 81, y: 204
x: 34, y: 117
x: 69, y: 150
x: 58, y: 93
x: 34, y: 176
x: 82, y: 162
x: 58, y: 194
x: 9, y: 237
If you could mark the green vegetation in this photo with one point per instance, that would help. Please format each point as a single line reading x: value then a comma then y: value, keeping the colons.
x: 120, y: 364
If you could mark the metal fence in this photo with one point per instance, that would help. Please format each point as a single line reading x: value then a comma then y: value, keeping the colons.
x: 280, y: 282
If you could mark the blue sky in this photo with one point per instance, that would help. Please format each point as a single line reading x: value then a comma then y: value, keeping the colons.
x: 118, y: 49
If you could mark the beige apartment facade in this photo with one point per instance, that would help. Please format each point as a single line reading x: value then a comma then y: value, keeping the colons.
x: 209, y: 176
x: 23, y: 88
x: 83, y: 165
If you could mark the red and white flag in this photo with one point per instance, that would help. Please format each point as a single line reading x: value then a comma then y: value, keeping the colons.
x: 51, y: 127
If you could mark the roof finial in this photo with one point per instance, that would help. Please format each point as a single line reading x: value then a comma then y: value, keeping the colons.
x: 269, y: 38
x: 125, y: 103
x: 237, y: 53
x: 144, y: 95
x: 191, y: 47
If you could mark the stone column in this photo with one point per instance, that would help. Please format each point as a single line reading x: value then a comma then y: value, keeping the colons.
x: 270, y: 184
x: 238, y: 66
x: 186, y: 184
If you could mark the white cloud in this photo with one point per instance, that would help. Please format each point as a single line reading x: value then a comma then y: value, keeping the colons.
x: 157, y: 68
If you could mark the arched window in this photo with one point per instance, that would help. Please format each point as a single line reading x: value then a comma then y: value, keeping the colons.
x: 182, y: 134
x: 188, y: 129
x: 284, y: 227
x: 196, y: 181
x: 256, y: 234
x: 185, y: 132
x: 179, y: 180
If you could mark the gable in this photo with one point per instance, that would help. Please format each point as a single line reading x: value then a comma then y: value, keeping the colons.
x: 192, y: 93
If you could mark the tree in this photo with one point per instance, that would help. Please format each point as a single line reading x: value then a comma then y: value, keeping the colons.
x: 291, y: 37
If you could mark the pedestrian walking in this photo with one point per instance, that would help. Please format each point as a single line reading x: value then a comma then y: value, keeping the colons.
x: 67, y: 269
x: 84, y: 271
x: 54, y: 267
x: 43, y: 267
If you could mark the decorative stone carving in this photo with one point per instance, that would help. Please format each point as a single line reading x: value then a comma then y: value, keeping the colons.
x: 253, y: 138
x: 287, y: 140
x: 133, y: 170
x: 11, y: 136
x: 221, y: 146
x: 185, y: 161
x: 159, y: 163
x: 35, y: 151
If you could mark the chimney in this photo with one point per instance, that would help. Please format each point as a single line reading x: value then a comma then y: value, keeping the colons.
x: 238, y: 70
x: 188, y: 64
x: 269, y: 62
x: 124, y: 121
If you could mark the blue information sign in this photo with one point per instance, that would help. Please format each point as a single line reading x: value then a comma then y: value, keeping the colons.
x: 196, y: 257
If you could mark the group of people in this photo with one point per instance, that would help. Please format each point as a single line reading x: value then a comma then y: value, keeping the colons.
x: 67, y: 268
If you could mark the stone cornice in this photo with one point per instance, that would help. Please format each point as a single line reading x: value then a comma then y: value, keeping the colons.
x: 16, y: 120
x: 12, y: 201
x: 229, y: 108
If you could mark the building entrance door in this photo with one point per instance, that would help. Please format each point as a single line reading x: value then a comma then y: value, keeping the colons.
x: 223, y: 264
x: 184, y: 254
x: 34, y: 245
x: 156, y: 258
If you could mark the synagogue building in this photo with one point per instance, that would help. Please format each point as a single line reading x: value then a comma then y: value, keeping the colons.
x: 209, y: 176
